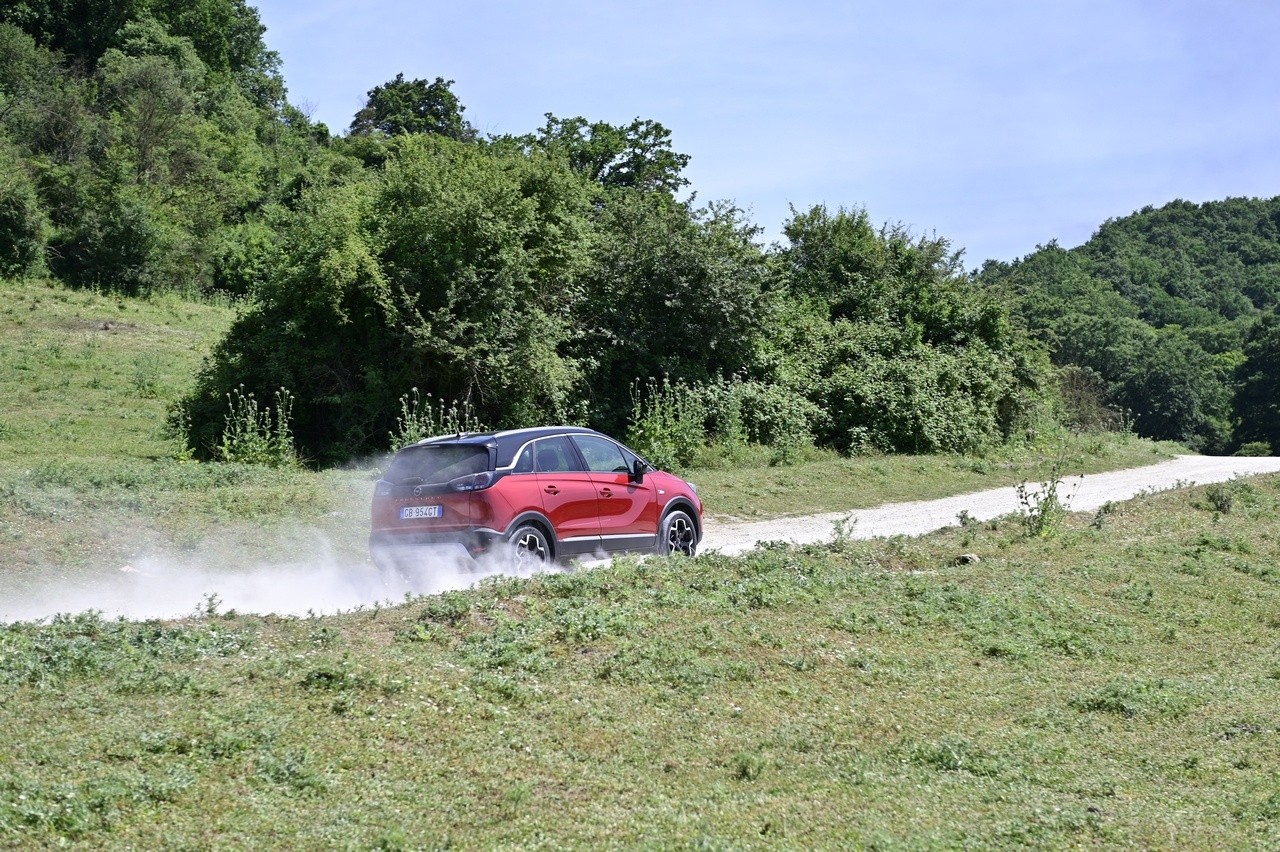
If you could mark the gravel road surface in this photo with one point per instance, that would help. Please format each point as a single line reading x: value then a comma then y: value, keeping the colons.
x: 1080, y: 493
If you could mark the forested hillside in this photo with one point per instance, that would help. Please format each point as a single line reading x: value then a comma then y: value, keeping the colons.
x: 413, y: 274
x: 1165, y: 316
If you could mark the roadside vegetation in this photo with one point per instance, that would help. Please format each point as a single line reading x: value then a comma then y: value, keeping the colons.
x: 569, y: 273
x: 93, y: 476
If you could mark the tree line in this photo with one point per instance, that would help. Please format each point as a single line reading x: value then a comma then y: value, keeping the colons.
x: 1165, y: 316
x: 556, y: 275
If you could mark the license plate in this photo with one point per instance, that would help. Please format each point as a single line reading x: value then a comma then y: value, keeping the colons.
x: 413, y: 513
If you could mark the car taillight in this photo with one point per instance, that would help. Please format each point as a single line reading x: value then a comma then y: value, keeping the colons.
x: 472, y: 482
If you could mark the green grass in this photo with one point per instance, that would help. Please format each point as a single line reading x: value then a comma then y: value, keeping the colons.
x: 89, y: 376
x: 1112, y: 682
x: 1114, y: 685
x: 90, y: 478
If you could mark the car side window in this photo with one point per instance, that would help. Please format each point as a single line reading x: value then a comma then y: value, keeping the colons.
x: 524, y: 463
x: 601, y: 455
x: 556, y: 455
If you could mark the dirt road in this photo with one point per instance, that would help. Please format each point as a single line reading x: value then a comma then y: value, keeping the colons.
x: 159, y: 587
x: 1080, y: 493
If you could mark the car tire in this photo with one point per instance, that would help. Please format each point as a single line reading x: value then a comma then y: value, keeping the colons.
x: 679, y: 535
x: 530, y: 550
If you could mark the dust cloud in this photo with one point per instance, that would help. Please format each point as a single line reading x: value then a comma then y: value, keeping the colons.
x: 318, y: 583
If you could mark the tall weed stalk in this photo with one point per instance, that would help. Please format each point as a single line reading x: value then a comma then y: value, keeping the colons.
x: 1041, y: 510
x: 668, y: 423
x: 258, y: 434
x: 422, y: 418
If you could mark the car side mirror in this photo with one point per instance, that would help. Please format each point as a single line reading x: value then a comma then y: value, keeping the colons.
x: 637, y: 471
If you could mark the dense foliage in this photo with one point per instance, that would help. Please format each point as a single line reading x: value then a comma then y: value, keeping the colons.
x: 142, y: 143
x: 1160, y: 308
x: 556, y: 276
x: 147, y: 146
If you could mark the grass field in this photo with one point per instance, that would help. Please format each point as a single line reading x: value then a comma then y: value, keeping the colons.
x: 1113, y: 683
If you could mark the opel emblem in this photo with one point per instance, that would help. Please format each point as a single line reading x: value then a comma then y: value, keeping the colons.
x: 417, y: 491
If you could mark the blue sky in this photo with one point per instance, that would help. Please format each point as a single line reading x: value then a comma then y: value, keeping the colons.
x: 997, y: 124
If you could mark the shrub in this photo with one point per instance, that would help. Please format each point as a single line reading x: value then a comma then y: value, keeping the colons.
x: 254, y: 434
x: 22, y: 226
x: 778, y: 417
x: 1255, y: 448
x: 668, y: 423
x: 420, y: 419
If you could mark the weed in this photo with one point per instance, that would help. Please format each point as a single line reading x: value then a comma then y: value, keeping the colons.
x: 953, y: 754
x: 422, y: 418
x: 448, y: 608
x: 290, y: 769
x: 1042, y: 511
x: 517, y: 796
x: 1222, y: 497
x: 668, y: 423
x: 842, y: 532
x: 746, y: 766
x: 145, y: 379
x: 510, y: 645
x: 658, y: 663
x: 1130, y: 698
x: 502, y: 687
x: 257, y: 435
x: 209, y: 605
x: 1219, y: 498
x: 1266, y: 573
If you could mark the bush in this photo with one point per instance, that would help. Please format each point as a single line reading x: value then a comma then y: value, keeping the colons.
x: 253, y: 434
x: 779, y: 418
x: 668, y: 423
x: 22, y: 225
x: 1255, y: 448
x: 420, y: 419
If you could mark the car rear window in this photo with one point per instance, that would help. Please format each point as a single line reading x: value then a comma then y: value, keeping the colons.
x: 436, y: 465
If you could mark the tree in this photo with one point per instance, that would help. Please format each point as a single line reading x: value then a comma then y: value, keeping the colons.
x: 671, y: 291
x: 887, y: 337
x: 637, y: 156
x: 1157, y: 303
x: 453, y: 269
x: 22, y: 223
x: 1177, y: 392
x: 1256, y: 407
x: 413, y: 106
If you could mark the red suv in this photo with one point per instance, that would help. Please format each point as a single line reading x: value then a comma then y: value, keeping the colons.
x: 551, y: 492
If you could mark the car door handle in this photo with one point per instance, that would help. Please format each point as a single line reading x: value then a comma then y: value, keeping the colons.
x: 551, y: 489
x: 606, y: 492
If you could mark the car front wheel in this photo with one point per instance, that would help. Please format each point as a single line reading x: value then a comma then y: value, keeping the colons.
x: 679, y: 535
x: 530, y: 551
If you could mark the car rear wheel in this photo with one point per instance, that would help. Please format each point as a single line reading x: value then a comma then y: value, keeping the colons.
x: 679, y: 535
x: 530, y: 550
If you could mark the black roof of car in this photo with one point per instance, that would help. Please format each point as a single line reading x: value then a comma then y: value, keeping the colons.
x: 507, y: 442
x: 507, y: 436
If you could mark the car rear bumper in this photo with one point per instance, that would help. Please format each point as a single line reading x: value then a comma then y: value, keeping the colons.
x: 392, y: 548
